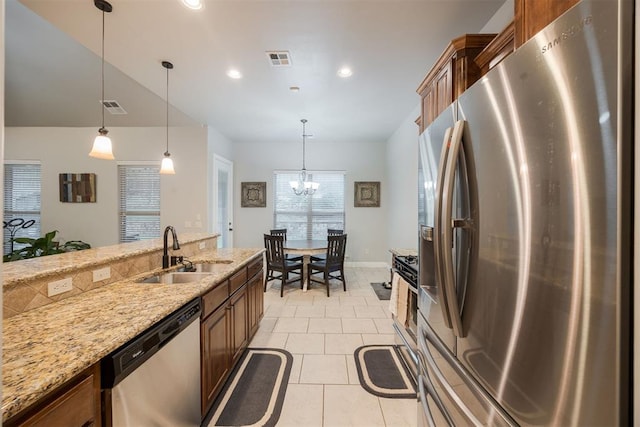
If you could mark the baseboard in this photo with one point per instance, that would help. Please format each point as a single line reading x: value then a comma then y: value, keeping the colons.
x: 369, y: 264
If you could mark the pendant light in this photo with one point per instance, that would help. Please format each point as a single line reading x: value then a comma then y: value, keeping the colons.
x: 303, y: 186
x: 167, y: 163
x: 102, y: 144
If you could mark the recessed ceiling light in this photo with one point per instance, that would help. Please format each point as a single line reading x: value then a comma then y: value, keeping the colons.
x: 193, y: 4
x: 234, y: 74
x: 345, y: 72
x: 294, y: 89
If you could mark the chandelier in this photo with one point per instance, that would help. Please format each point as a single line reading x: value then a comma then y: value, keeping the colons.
x: 303, y: 186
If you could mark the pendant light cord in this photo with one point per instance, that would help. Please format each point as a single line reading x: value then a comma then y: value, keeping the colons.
x: 304, y: 134
x: 167, y: 111
x: 102, y: 99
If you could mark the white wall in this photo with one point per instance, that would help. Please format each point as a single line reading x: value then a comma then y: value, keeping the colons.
x: 402, y: 166
x: 183, y: 196
x: 366, y: 227
x: 500, y: 19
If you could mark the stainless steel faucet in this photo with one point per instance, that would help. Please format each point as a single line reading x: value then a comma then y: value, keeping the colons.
x: 165, y: 249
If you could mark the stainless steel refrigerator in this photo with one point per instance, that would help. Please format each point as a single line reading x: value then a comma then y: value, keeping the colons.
x: 526, y: 234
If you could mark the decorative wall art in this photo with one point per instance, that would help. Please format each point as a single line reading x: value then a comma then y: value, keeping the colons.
x: 254, y: 195
x: 366, y: 194
x: 78, y: 187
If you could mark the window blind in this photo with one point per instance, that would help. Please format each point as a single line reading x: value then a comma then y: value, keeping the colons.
x: 309, y: 217
x: 139, y: 202
x: 21, y: 201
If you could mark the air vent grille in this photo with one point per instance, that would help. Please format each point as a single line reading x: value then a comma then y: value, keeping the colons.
x: 279, y: 58
x: 113, y: 107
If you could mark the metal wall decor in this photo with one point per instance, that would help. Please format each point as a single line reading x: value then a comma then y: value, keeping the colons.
x: 78, y: 187
x: 366, y: 194
x: 254, y: 195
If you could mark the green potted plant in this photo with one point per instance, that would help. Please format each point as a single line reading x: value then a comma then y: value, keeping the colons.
x: 42, y: 246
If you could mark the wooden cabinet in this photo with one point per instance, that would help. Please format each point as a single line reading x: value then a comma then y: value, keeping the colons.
x: 77, y: 403
x: 452, y: 74
x: 239, y: 323
x: 215, y: 354
x: 230, y: 317
x: 500, y: 47
x: 531, y: 16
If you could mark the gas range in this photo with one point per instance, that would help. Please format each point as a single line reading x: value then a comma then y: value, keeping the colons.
x: 407, y: 268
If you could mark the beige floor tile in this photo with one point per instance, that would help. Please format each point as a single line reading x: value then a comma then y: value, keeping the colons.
x: 305, y: 344
x: 348, y: 300
x: 342, y: 343
x: 370, y: 312
x: 325, y: 326
x: 399, y: 412
x: 280, y: 311
x: 362, y: 292
x: 269, y: 340
x: 267, y: 324
x: 302, y: 406
x: 373, y: 339
x: 351, y: 405
x: 376, y: 301
x: 346, y: 312
x: 385, y: 326
x: 323, y: 300
x: 292, y: 324
x: 357, y: 326
x: 310, y: 311
x: 324, y: 369
x: 296, y: 366
x: 352, y: 370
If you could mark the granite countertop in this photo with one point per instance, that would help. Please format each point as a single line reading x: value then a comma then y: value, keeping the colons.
x: 404, y: 252
x: 44, y: 348
x: 35, y: 268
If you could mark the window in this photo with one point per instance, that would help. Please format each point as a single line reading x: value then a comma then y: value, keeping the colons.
x: 21, y: 202
x: 308, y: 217
x: 139, y: 201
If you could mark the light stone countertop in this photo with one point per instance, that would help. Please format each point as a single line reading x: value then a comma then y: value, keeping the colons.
x: 44, y: 348
x: 404, y: 252
x: 35, y: 268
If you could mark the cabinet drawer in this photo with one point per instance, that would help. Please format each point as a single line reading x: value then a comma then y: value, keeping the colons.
x: 254, y: 267
x: 237, y: 280
x: 214, y: 298
x: 76, y: 407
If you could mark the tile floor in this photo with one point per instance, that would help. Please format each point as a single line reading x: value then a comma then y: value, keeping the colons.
x: 322, y: 334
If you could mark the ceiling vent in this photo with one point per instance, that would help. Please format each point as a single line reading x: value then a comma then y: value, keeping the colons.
x: 279, y: 58
x: 113, y: 107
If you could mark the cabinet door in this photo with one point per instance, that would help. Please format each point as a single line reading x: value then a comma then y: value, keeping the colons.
x: 428, y: 107
x: 444, y: 89
x: 256, y: 303
x: 215, y: 356
x: 239, y: 322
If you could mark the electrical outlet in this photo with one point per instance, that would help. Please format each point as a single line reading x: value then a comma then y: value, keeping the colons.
x: 202, y: 245
x: 101, y: 274
x: 59, y: 286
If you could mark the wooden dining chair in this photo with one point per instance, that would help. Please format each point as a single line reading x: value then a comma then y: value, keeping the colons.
x: 330, y: 232
x: 332, y: 266
x: 277, y: 262
x: 283, y: 232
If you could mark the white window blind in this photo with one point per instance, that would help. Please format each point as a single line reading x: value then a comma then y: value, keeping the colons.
x: 139, y: 202
x: 309, y: 217
x: 21, y: 202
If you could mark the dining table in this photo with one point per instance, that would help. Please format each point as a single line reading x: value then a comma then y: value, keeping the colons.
x: 306, y: 248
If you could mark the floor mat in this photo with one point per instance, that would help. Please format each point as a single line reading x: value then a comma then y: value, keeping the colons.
x: 382, y: 372
x: 382, y: 292
x: 254, y: 393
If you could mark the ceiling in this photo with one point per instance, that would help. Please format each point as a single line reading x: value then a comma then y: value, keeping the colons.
x: 53, y: 63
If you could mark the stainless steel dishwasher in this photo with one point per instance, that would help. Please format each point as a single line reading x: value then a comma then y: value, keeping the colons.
x: 154, y: 379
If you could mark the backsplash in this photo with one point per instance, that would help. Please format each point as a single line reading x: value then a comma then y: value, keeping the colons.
x: 26, y: 282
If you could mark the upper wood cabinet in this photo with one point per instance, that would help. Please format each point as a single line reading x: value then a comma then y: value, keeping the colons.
x: 500, y: 47
x: 452, y: 74
x: 531, y: 16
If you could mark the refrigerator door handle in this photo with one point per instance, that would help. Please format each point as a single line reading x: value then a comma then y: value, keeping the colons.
x: 446, y: 232
x: 438, y: 226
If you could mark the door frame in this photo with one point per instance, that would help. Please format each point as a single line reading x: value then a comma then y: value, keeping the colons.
x: 219, y: 163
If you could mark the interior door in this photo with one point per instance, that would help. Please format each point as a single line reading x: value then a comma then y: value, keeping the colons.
x: 223, y: 200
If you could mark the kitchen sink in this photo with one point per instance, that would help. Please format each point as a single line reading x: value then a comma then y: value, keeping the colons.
x: 175, y: 278
x: 212, y: 267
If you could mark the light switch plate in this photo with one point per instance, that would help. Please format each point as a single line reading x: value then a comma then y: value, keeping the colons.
x: 101, y: 274
x: 59, y: 286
